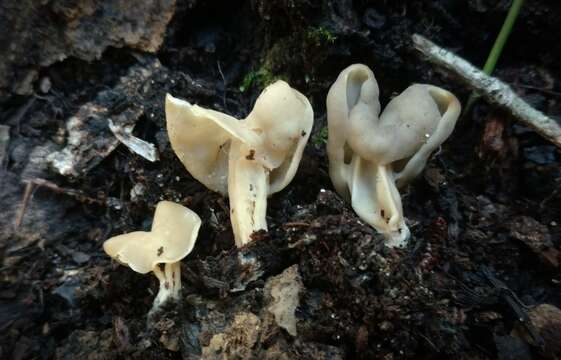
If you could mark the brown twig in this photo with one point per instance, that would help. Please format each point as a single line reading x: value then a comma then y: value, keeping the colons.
x: 296, y: 224
x: 29, y: 187
x: 77, y: 194
x: 20, y: 113
x: 33, y: 184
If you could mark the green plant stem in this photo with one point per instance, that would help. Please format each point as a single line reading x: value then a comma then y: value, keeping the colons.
x: 502, y: 37
x: 498, y: 46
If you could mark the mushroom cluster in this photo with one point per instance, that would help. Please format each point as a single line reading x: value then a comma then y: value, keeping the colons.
x: 247, y: 159
x: 172, y: 237
x: 371, y: 155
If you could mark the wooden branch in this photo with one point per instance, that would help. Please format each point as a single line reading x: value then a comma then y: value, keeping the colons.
x: 490, y: 88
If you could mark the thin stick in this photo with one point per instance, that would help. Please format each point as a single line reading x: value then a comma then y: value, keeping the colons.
x: 491, y: 89
x: 77, y: 194
x: 295, y: 224
x: 223, y: 83
x: 29, y: 187
x: 16, y: 119
x: 33, y: 184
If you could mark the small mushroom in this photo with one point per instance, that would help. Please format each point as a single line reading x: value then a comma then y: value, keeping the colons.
x: 172, y: 237
x: 372, y: 155
x: 247, y: 159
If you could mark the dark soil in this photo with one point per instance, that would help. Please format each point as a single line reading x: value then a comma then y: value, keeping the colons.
x: 484, y: 258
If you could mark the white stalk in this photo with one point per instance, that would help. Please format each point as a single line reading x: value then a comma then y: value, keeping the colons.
x: 170, y: 284
x: 248, y: 187
x: 389, y: 202
x: 375, y: 199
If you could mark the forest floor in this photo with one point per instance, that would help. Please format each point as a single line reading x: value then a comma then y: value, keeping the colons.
x: 480, y: 278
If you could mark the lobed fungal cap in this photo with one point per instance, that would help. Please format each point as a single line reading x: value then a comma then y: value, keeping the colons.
x: 371, y: 155
x: 172, y: 237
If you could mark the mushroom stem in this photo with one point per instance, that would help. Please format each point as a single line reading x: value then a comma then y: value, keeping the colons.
x: 170, y: 284
x: 248, y: 186
x: 375, y: 198
x: 391, y: 210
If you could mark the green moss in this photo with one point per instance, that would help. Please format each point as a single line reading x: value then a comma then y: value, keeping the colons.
x: 320, y: 35
x: 261, y: 78
x: 249, y: 79
x: 268, y: 72
x: 320, y: 138
x: 265, y: 77
x: 288, y: 57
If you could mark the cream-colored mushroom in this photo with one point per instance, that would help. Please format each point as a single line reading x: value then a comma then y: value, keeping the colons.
x: 371, y: 155
x: 172, y: 237
x: 247, y: 159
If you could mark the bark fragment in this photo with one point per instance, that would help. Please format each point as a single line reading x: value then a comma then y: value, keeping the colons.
x: 82, y: 29
x: 89, y: 138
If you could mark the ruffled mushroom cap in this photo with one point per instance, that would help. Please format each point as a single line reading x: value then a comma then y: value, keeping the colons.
x: 342, y: 97
x: 368, y: 152
x: 434, y: 112
x: 173, y: 235
x: 201, y: 140
x: 245, y: 159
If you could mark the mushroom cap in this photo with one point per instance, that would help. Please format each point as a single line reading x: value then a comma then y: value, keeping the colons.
x: 415, y: 115
x: 173, y: 235
x: 201, y: 140
x: 277, y: 130
x: 342, y: 97
x: 285, y: 118
x: 411, y: 127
